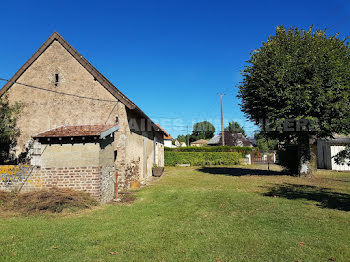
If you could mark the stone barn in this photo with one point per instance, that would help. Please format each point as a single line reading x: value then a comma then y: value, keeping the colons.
x: 75, y: 119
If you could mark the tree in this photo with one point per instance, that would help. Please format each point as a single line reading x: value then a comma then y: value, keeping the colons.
x: 8, y: 130
x: 264, y: 143
x: 182, y: 138
x: 202, y: 130
x: 343, y: 157
x: 297, y: 87
x: 235, y: 127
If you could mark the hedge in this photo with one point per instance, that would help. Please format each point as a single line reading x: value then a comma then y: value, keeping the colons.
x: 239, y: 149
x: 201, y: 158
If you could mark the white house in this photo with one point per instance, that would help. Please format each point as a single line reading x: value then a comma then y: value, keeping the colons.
x: 168, y: 140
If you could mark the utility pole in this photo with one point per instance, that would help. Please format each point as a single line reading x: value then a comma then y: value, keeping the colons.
x: 188, y: 138
x: 222, y: 121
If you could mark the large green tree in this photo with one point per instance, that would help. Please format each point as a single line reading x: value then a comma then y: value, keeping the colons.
x: 8, y: 130
x: 295, y: 79
x: 235, y: 127
x: 203, y: 130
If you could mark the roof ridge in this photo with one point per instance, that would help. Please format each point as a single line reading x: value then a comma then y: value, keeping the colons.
x: 55, y: 36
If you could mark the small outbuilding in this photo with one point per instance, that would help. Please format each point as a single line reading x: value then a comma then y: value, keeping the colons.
x: 327, y: 149
x: 78, y: 157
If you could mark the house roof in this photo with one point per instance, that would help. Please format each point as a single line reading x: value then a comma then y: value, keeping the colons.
x: 166, y: 135
x: 215, y: 140
x: 201, y: 142
x: 252, y: 140
x: 74, y: 131
x: 85, y: 63
x: 339, y: 139
x: 230, y: 139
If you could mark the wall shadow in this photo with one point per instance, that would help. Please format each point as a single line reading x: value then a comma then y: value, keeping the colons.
x: 235, y: 171
x: 324, y: 197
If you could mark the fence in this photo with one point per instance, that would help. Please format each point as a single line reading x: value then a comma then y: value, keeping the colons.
x: 262, y: 158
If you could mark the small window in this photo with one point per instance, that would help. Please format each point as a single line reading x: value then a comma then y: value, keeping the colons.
x: 57, y: 79
x: 115, y: 155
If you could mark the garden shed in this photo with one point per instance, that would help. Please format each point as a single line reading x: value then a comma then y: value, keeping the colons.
x: 328, y: 148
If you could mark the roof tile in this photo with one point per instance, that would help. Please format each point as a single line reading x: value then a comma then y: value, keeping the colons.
x: 76, y: 131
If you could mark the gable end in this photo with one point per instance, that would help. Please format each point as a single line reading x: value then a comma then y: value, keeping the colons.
x: 90, y: 68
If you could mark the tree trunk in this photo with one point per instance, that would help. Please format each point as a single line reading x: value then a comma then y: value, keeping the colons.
x: 304, y: 157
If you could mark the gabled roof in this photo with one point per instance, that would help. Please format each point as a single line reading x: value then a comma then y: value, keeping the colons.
x: 74, y: 131
x: 338, y: 139
x: 166, y: 135
x: 230, y: 139
x: 200, y: 142
x: 90, y: 68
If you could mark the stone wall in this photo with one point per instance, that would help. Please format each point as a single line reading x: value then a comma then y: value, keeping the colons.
x: 42, y: 110
x: 108, y: 184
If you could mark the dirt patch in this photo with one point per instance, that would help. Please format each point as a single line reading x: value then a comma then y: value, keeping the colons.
x: 54, y: 201
x: 126, y: 197
x: 5, y: 197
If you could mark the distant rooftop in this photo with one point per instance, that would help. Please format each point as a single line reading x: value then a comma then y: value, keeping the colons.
x: 200, y: 142
x: 235, y: 139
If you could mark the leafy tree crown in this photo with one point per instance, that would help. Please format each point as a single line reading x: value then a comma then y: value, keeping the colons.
x: 299, y: 74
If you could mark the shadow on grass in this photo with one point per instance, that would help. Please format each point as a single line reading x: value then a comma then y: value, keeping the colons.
x: 324, y: 197
x: 235, y: 171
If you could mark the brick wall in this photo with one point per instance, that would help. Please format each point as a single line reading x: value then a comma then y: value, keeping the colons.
x: 86, y: 179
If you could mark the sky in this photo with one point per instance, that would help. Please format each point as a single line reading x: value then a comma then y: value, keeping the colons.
x: 171, y: 58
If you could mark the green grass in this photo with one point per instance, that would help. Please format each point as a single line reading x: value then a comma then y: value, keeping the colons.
x: 198, y: 214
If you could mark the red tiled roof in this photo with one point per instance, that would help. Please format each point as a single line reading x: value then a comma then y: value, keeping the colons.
x: 166, y: 135
x: 68, y: 131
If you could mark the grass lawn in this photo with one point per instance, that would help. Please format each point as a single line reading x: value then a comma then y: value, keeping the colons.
x: 199, y: 214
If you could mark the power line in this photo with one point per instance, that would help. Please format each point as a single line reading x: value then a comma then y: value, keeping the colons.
x: 164, y: 117
x: 59, y: 93
x: 331, y: 13
x: 343, y: 20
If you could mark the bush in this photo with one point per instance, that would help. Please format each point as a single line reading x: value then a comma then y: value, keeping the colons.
x: 288, y: 158
x: 239, y: 149
x: 201, y: 158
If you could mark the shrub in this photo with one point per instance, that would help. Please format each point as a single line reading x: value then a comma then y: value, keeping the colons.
x: 202, y: 158
x: 242, y: 150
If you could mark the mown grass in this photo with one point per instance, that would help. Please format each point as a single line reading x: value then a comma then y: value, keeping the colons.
x: 198, y: 214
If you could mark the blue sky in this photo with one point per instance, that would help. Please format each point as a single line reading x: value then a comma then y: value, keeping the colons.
x: 171, y: 58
